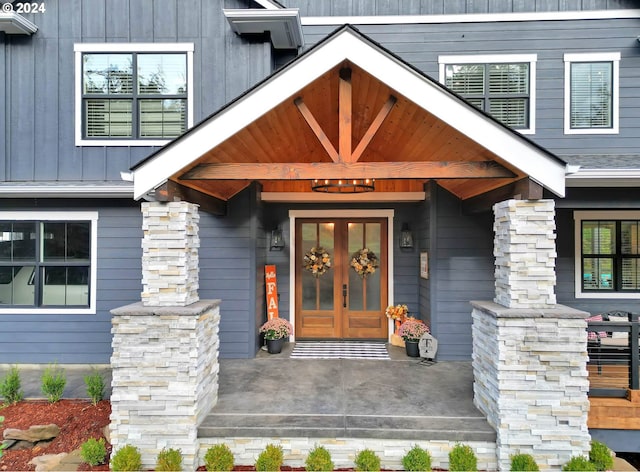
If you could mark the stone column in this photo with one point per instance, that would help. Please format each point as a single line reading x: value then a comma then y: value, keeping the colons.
x: 170, y: 253
x: 529, y: 354
x: 165, y: 348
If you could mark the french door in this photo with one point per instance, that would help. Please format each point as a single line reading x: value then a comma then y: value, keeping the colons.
x: 341, y: 303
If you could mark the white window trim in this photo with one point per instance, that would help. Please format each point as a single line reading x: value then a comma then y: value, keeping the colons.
x: 578, y: 217
x: 352, y: 213
x: 613, y: 57
x: 532, y: 59
x: 132, y: 48
x: 61, y: 216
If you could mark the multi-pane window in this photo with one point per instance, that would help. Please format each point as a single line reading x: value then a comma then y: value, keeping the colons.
x: 502, y: 89
x: 45, y: 263
x: 591, y: 87
x: 130, y: 94
x: 610, y: 255
x: 134, y: 95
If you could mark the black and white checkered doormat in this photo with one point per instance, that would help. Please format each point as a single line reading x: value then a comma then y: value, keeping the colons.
x: 339, y: 350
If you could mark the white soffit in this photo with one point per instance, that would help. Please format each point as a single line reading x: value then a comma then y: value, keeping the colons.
x: 13, y: 23
x: 541, y: 166
x: 283, y: 25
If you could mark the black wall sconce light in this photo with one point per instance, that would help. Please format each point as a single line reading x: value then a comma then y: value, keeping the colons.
x: 406, y: 237
x: 277, y: 240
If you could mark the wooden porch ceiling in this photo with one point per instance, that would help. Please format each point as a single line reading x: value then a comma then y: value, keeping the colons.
x: 347, y: 124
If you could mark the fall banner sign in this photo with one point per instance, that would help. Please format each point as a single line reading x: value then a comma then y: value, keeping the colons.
x: 272, y: 291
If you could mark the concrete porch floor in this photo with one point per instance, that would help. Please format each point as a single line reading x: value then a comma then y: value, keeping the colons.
x: 275, y: 396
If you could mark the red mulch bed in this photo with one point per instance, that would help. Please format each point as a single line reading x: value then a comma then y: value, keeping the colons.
x: 78, y: 421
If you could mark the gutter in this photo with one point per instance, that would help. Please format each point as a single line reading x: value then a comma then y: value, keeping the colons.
x: 283, y: 25
x: 13, y: 23
x: 603, y: 178
x: 62, y: 190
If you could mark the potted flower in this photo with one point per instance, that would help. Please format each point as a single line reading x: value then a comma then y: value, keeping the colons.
x: 275, y: 330
x: 411, y: 330
x: 397, y: 313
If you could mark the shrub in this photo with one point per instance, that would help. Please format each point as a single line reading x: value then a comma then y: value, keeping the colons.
x: 169, y: 460
x: 95, y: 386
x: 127, y: 458
x: 523, y: 463
x: 367, y: 460
x: 93, y: 451
x: 2, y: 445
x: 601, y: 456
x: 270, y: 459
x: 10, y: 387
x: 462, y: 458
x: 319, y: 460
x: 580, y: 463
x: 417, y: 459
x: 219, y: 457
x: 53, y: 383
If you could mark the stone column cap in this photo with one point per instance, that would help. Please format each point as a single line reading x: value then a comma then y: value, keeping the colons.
x: 555, y: 311
x: 195, y: 309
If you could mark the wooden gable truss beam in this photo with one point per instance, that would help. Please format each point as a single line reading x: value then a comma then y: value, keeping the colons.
x: 172, y: 191
x: 356, y: 170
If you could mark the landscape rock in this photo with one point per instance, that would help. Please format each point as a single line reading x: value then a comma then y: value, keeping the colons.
x: 47, y: 462
x: 34, y: 433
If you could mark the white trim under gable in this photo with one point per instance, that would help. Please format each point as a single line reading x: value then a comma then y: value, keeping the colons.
x: 531, y: 59
x: 541, y: 166
x: 61, y: 216
x: 351, y: 213
x: 578, y: 217
x: 469, y: 18
x: 614, y: 58
x: 80, y: 48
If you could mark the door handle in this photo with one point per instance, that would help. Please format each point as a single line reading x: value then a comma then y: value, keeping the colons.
x: 344, y: 295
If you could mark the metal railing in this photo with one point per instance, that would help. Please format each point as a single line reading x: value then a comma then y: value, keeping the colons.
x: 614, y: 357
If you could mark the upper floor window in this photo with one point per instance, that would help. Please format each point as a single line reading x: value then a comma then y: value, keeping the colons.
x: 131, y: 94
x: 591, y: 93
x: 608, y: 254
x: 501, y: 85
x: 47, y: 262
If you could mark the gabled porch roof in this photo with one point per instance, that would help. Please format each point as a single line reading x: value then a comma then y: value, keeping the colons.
x: 347, y: 108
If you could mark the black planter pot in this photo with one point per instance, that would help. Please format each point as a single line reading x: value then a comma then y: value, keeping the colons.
x: 412, y: 348
x: 274, y: 346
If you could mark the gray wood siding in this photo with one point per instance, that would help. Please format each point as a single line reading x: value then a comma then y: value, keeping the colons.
x: 439, y: 7
x: 421, y: 46
x: 73, y: 339
x: 424, y: 244
x: 462, y: 267
x: 38, y: 73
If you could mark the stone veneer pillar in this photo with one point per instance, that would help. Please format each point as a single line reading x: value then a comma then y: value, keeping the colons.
x: 170, y: 253
x: 529, y: 354
x: 165, y: 348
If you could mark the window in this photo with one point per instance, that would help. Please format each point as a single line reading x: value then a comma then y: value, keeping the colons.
x: 502, y: 85
x: 47, y: 262
x: 131, y: 94
x: 608, y: 256
x: 591, y: 93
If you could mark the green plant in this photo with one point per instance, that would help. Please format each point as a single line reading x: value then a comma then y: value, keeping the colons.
x: 318, y: 460
x: 127, y: 458
x: 93, y: 451
x: 523, y: 463
x: 53, y: 383
x: 219, y: 457
x: 417, y: 459
x: 367, y: 460
x: 601, y: 456
x: 462, y: 458
x: 2, y: 446
x: 169, y: 460
x: 580, y: 463
x: 270, y: 459
x: 95, y: 386
x: 10, y: 387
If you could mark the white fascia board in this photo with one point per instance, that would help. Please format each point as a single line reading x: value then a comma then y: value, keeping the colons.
x: 283, y: 25
x: 541, y: 167
x: 65, y: 191
x: 604, y: 178
x: 470, y: 18
x: 14, y: 23
x: 267, y: 4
